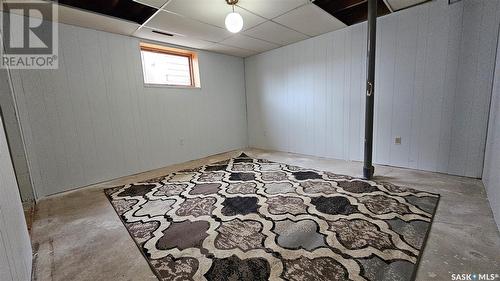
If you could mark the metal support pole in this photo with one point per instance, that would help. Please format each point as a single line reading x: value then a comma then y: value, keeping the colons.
x: 368, y: 168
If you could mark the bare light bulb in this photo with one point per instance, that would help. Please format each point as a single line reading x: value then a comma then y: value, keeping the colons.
x: 234, y: 22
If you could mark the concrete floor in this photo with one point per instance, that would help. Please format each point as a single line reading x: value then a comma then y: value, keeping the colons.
x: 78, y: 236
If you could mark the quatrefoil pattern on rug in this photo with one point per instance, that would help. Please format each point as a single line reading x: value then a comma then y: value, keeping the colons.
x: 253, y: 219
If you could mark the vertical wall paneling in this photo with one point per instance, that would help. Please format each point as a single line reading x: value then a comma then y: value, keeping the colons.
x: 334, y: 107
x: 93, y: 119
x: 356, y: 91
x: 423, y: 14
x: 464, y: 96
x: 14, y: 136
x: 433, y: 82
x: 5, y: 271
x: 491, y: 177
x: 482, y: 94
x: 450, y: 85
x: 384, y: 88
x: 403, y: 87
x: 434, y: 77
x: 345, y: 93
x: 15, y: 245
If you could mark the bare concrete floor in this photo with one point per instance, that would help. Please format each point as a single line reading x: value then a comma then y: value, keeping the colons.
x: 78, y: 236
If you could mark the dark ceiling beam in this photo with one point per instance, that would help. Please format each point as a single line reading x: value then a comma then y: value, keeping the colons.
x: 334, y: 6
x: 351, y: 11
x: 123, y: 9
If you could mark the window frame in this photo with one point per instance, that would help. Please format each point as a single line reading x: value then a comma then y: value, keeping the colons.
x: 193, y: 64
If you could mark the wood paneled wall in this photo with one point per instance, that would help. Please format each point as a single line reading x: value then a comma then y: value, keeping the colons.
x: 491, y: 175
x: 93, y: 119
x: 433, y: 86
x: 14, y: 137
x: 15, y: 245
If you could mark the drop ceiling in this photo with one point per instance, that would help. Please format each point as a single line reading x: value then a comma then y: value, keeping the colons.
x: 268, y: 24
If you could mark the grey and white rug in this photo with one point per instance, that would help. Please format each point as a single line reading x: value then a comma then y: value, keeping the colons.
x: 252, y: 219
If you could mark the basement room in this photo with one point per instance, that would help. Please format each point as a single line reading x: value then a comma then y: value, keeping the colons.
x: 249, y: 140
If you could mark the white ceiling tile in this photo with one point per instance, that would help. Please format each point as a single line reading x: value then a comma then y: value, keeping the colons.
x: 211, y: 11
x: 228, y: 50
x: 401, y: 4
x: 311, y: 20
x: 86, y: 19
x: 147, y: 33
x: 245, y: 42
x: 174, y: 23
x: 152, y: 3
x: 273, y: 32
x: 270, y: 8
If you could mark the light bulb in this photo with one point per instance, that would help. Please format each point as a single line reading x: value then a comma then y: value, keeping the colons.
x: 234, y: 22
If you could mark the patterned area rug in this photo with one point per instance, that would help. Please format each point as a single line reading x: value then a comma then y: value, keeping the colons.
x: 252, y: 219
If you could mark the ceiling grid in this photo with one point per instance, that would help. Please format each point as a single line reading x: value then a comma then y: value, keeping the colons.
x: 199, y: 24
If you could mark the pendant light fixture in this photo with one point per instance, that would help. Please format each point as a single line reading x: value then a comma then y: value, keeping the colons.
x: 234, y: 21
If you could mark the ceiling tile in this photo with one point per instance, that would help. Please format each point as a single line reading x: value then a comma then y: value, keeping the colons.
x: 270, y: 8
x: 152, y: 3
x: 211, y: 11
x: 273, y: 32
x: 318, y: 22
x: 401, y: 4
x: 228, y: 50
x: 147, y: 33
x: 86, y: 19
x: 174, y: 23
x: 245, y: 42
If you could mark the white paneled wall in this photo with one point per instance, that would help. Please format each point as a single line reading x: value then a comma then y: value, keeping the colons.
x: 93, y: 120
x: 14, y: 138
x: 433, y: 86
x: 491, y: 175
x: 15, y: 245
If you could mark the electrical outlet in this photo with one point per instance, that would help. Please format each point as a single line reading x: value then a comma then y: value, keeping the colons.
x: 397, y: 140
x: 181, y: 142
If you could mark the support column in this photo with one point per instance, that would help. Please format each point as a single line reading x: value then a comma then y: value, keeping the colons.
x: 368, y: 168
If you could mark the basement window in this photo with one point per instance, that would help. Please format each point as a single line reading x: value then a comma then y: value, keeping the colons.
x: 166, y: 66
